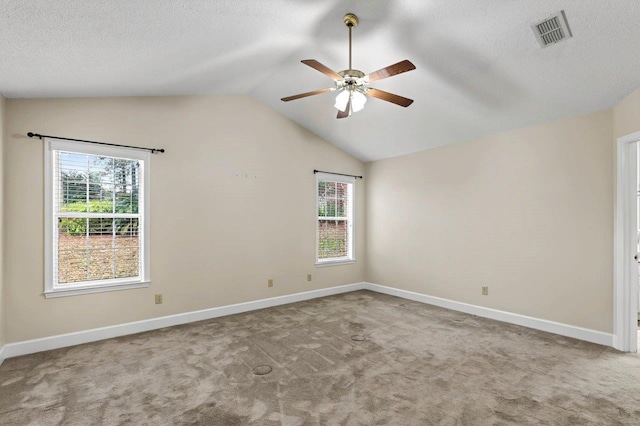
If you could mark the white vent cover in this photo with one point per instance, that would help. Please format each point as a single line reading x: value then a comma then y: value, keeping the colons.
x: 552, y: 30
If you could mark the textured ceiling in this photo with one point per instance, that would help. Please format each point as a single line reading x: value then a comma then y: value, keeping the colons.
x: 479, y: 70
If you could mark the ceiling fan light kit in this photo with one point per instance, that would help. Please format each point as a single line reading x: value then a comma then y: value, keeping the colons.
x: 357, y: 100
x: 353, y: 85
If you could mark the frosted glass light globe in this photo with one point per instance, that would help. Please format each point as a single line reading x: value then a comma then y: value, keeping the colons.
x: 358, y: 99
x: 342, y: 99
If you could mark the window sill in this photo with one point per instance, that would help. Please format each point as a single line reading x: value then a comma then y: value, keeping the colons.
x: 335, y: 263
x: 94, y: 289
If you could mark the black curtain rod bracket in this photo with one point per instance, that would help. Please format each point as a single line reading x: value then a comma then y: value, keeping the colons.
x: 39, y: 136
x: 339, y: 174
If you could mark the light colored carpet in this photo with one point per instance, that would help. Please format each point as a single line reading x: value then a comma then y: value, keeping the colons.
x: 419, y: 365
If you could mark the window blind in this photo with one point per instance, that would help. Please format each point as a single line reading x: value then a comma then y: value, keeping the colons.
x: 335, y: 219
x: 97, y: 218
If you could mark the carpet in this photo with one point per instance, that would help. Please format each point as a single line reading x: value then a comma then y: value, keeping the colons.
x: 360, y: 358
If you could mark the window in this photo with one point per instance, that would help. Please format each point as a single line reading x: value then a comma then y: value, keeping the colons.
x: 335, y: 219
x: 96, y: 230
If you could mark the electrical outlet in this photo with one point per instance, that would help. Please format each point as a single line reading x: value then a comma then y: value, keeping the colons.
x: 158, y: 299
x: 308, y: 277
x: 270, y: 282
x: 485, y: 291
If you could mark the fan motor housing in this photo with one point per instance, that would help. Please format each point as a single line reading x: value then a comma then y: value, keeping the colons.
x: 351, y: 73
x: 352, y: 80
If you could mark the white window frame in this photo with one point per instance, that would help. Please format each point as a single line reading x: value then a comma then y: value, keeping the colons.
x: 350, y: 258
x: 51, y: 288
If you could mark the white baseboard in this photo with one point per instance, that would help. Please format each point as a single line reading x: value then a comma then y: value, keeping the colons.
x: 509, y: 317
x: 63, y: 340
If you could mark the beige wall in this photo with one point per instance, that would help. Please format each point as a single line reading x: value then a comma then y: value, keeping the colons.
x: 528, y: 213
x: 2, y: 291
x: 232, y: 204
x: 626, y: 116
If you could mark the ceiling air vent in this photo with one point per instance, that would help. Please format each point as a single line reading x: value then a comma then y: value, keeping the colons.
x: 552, y: 30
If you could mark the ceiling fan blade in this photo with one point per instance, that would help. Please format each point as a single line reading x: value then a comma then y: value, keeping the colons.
x: 391, y: 70
x: 322, y: 68
x: 304, y: 95
x: 347, y: 110
x: 389, y: 97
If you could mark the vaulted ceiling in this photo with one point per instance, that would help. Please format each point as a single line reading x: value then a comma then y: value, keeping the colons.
x: 479, y: 70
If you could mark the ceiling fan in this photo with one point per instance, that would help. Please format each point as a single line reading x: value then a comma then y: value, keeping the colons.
x: 353, y: 84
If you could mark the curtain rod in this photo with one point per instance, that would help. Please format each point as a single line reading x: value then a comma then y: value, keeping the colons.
x: 339, y: 174
x: 39, y: 136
